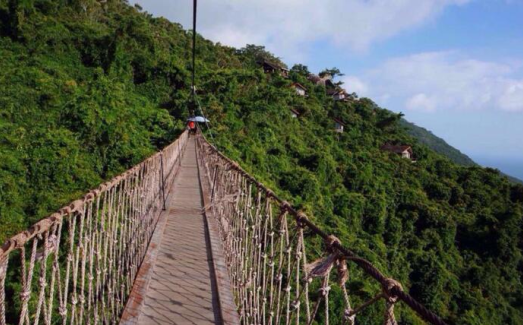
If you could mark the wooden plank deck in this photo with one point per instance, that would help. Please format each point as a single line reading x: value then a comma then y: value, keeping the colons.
x: 180, y: 284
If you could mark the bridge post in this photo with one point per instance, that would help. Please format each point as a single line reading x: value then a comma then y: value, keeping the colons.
x: 214, y: 183
x: 179, y: 154
x: 162, y: 181
x: 3, y: 274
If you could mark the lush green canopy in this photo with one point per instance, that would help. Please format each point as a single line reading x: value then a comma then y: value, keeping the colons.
x: 87, y: 89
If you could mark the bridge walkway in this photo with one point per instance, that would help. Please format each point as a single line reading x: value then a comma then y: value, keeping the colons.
x: 181, y: 284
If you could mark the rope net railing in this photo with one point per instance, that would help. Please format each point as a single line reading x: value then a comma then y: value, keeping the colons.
x: 277, y: 275
x: 78, y: 265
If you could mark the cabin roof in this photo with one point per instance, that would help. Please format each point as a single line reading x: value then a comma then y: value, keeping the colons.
x: 336, y: 91
x: 396, y: 148
x: 295, y: 111
x: 272, y: 65
x: 298, y: 85
x: 337, y: 120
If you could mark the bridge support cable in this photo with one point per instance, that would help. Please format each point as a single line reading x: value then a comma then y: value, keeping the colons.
x: 267, y: 257
x: 195, y: 103
x: 79, y: 264
x: 193, y: 83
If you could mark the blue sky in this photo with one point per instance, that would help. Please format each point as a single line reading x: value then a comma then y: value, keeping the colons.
x: 454, y: 67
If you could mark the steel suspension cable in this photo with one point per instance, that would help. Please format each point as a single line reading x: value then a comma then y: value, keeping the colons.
x: 194, y: 100
x: 193, y: 85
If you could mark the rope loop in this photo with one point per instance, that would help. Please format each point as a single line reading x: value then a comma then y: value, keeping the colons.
x: 285, y: 206
x: 24, y: 295
x: 349, y: 315
x: 301, y: 219
x: 343, y: 271
x: 324, y: 290
x: 388, y: 286
x: 331, y: 241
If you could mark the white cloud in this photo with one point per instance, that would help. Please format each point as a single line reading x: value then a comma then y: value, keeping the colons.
x: 421, y: 102
x: 355, y: 84
x: 287, y: 26
x: 512, y: 98
x: 446, y: 80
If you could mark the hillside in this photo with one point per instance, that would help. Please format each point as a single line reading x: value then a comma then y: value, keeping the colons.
x: 89, y: 89
x: 437, y: 144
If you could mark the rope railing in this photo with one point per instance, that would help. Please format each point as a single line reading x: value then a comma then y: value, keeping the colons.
x: 78, y: 265
x: 268, y: 251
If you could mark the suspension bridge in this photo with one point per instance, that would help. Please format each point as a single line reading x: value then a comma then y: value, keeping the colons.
x: 185, y: 237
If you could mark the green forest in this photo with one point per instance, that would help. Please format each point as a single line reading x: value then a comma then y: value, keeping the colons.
x: 90, y: 88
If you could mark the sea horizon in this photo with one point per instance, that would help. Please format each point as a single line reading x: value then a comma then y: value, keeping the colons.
x: 508, y: 165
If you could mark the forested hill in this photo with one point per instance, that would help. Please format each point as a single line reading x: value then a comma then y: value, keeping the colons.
x: 437, y: 144
x: 87, y: 89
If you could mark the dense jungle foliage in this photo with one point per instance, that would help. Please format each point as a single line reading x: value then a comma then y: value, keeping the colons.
x: 88, y: 88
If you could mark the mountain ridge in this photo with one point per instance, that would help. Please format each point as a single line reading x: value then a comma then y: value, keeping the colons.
x: 440, y: 146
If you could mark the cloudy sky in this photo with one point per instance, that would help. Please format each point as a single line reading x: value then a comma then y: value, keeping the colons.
x: 452, y: 66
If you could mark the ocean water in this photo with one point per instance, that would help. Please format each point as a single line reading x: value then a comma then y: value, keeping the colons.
x: 510, y: 166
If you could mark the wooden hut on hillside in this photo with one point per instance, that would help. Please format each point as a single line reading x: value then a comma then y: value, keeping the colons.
x: 300, y: 89
x: 269, y: 67
x: 403, y: 150
x: 339, y: 125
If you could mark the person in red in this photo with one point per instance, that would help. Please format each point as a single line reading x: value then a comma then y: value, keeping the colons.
x: 192, y: 126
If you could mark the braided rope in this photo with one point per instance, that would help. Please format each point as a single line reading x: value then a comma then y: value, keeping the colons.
x: 83, y: 259
x: 267, y: 257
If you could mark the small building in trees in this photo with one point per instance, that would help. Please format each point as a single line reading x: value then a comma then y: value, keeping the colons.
x: 402, y: 150
x: 295, y: 113
x: 269, y: 67
x: 300, y: 89
x: 338, y: 94
x: 339, y: 125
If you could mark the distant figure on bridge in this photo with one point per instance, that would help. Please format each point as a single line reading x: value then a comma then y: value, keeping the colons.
x: 191, y: 123
x: 191, y: 126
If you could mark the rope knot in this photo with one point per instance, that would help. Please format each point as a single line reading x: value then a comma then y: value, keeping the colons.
x: 324, y: 290
x: 62, y: 311
x: 349, y: 315
x: 285, y: 206
x: 388, y: 286
x: 343, y: 271
x: 42, y: 282
x: 24, y: 296
x: 301, y: 219
x: 331, y: 241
